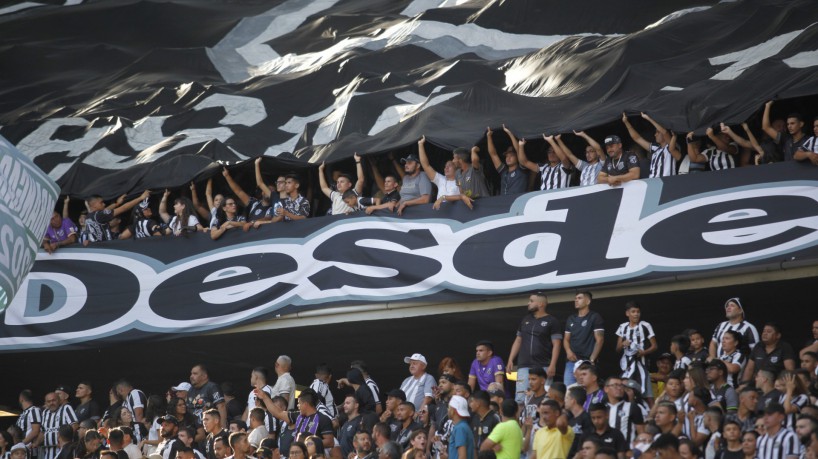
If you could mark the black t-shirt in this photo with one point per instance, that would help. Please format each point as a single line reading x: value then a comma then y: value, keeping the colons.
x: 403, y: 435
x: 725, y: 454
x: 203, y: 398
x: 621, y: 166
x: 610, y: 438
x: 365, y: 399
x: 87, y: 410
x: 483, y: 427
x: 347, y: 432
x: 536, y: 335
x: 770, y: 397
x: 773, y: 361
x: 581, y: 425
x: 234, y: 409
x: 788, y: 145
x: 209, y: 452
x: 582, y: 333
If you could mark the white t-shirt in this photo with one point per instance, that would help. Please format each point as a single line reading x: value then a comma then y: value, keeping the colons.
x: 339, y: 207
x: 446, y: 187
x: 177, y: 230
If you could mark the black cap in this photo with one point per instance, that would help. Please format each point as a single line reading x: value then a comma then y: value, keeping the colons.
x: 397, y: 393
x: 716, y: 363
x: 169, y: 418
x: 355, y: 376
x: 612, y: 139
x: 410, y: 158
x: 666, y: 356
x: 497, y: 393
x: 63, y: 388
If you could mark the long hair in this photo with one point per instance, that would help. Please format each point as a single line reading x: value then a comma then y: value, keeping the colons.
x: 450, y: 362
x: 184, y: 217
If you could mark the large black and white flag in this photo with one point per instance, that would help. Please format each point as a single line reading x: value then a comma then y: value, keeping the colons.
x: 90, y: 88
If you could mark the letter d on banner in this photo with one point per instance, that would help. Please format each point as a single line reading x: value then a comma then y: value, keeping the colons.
x: 27, y: 197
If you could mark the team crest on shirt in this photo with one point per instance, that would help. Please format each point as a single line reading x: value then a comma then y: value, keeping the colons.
x: 499, y: 367
x: 585, y: 322
x: 485, y: 429
x: 774, y: 359
x: 543, y: 323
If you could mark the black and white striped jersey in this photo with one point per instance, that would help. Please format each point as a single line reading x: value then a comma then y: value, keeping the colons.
x: 784, y: 444
x: 554, y: 177
x: 719, y: 160
x: 744, y: 328
x: 135, y: 399
x: 662, y: 163
x: 30, y: 416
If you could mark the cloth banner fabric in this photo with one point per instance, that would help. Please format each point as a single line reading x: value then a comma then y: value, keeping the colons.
x: 94, y: 88
x: 651, y: 230
x: 27, y: 197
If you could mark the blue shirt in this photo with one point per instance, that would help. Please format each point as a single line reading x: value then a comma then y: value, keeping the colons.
x: 461, y: 436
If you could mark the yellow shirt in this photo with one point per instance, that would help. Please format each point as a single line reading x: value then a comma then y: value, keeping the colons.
x: 552, y: 444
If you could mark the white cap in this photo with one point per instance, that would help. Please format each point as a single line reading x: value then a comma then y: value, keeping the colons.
x: 183, y: 386
x: 418, y: 357
x: 460, y: 405
x: 20, y: 445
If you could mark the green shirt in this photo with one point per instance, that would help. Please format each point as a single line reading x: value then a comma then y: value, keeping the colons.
x: 508, y: 435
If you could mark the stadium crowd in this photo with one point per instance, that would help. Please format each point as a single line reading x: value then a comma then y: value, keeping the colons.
x: 735, y: 393
x: 400, y: 185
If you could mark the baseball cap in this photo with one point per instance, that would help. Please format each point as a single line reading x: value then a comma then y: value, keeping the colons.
x: 460, y: 405
x: 666, y: 356
x: 183, y: 386
x: 20, y: 445
x: 448, y: 377
x: 716, y: 363
x: 409, y: 158
x: 62, y: 388
x: 497, y: 393
x: 418, y: 357
x: 612, y: 139
x: 397, y: 393
x: 169, y: 418
x: 631, y: 384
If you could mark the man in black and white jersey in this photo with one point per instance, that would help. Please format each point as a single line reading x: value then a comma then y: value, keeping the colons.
x: 778, y: 442
x: 30, y: 420
x: 554, y: 173
x: 720, y: 156
x: 621, y: 166
x: 323, y: 377
x: 663, y: 151
x: 65, y: 409
x: 734, y: 312
x: 134, y: 400
x: 53, y: 418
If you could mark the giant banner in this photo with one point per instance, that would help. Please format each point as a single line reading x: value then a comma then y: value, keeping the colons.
x: 577, y: 237
x: 27, y: 197
x: 141, y: 83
